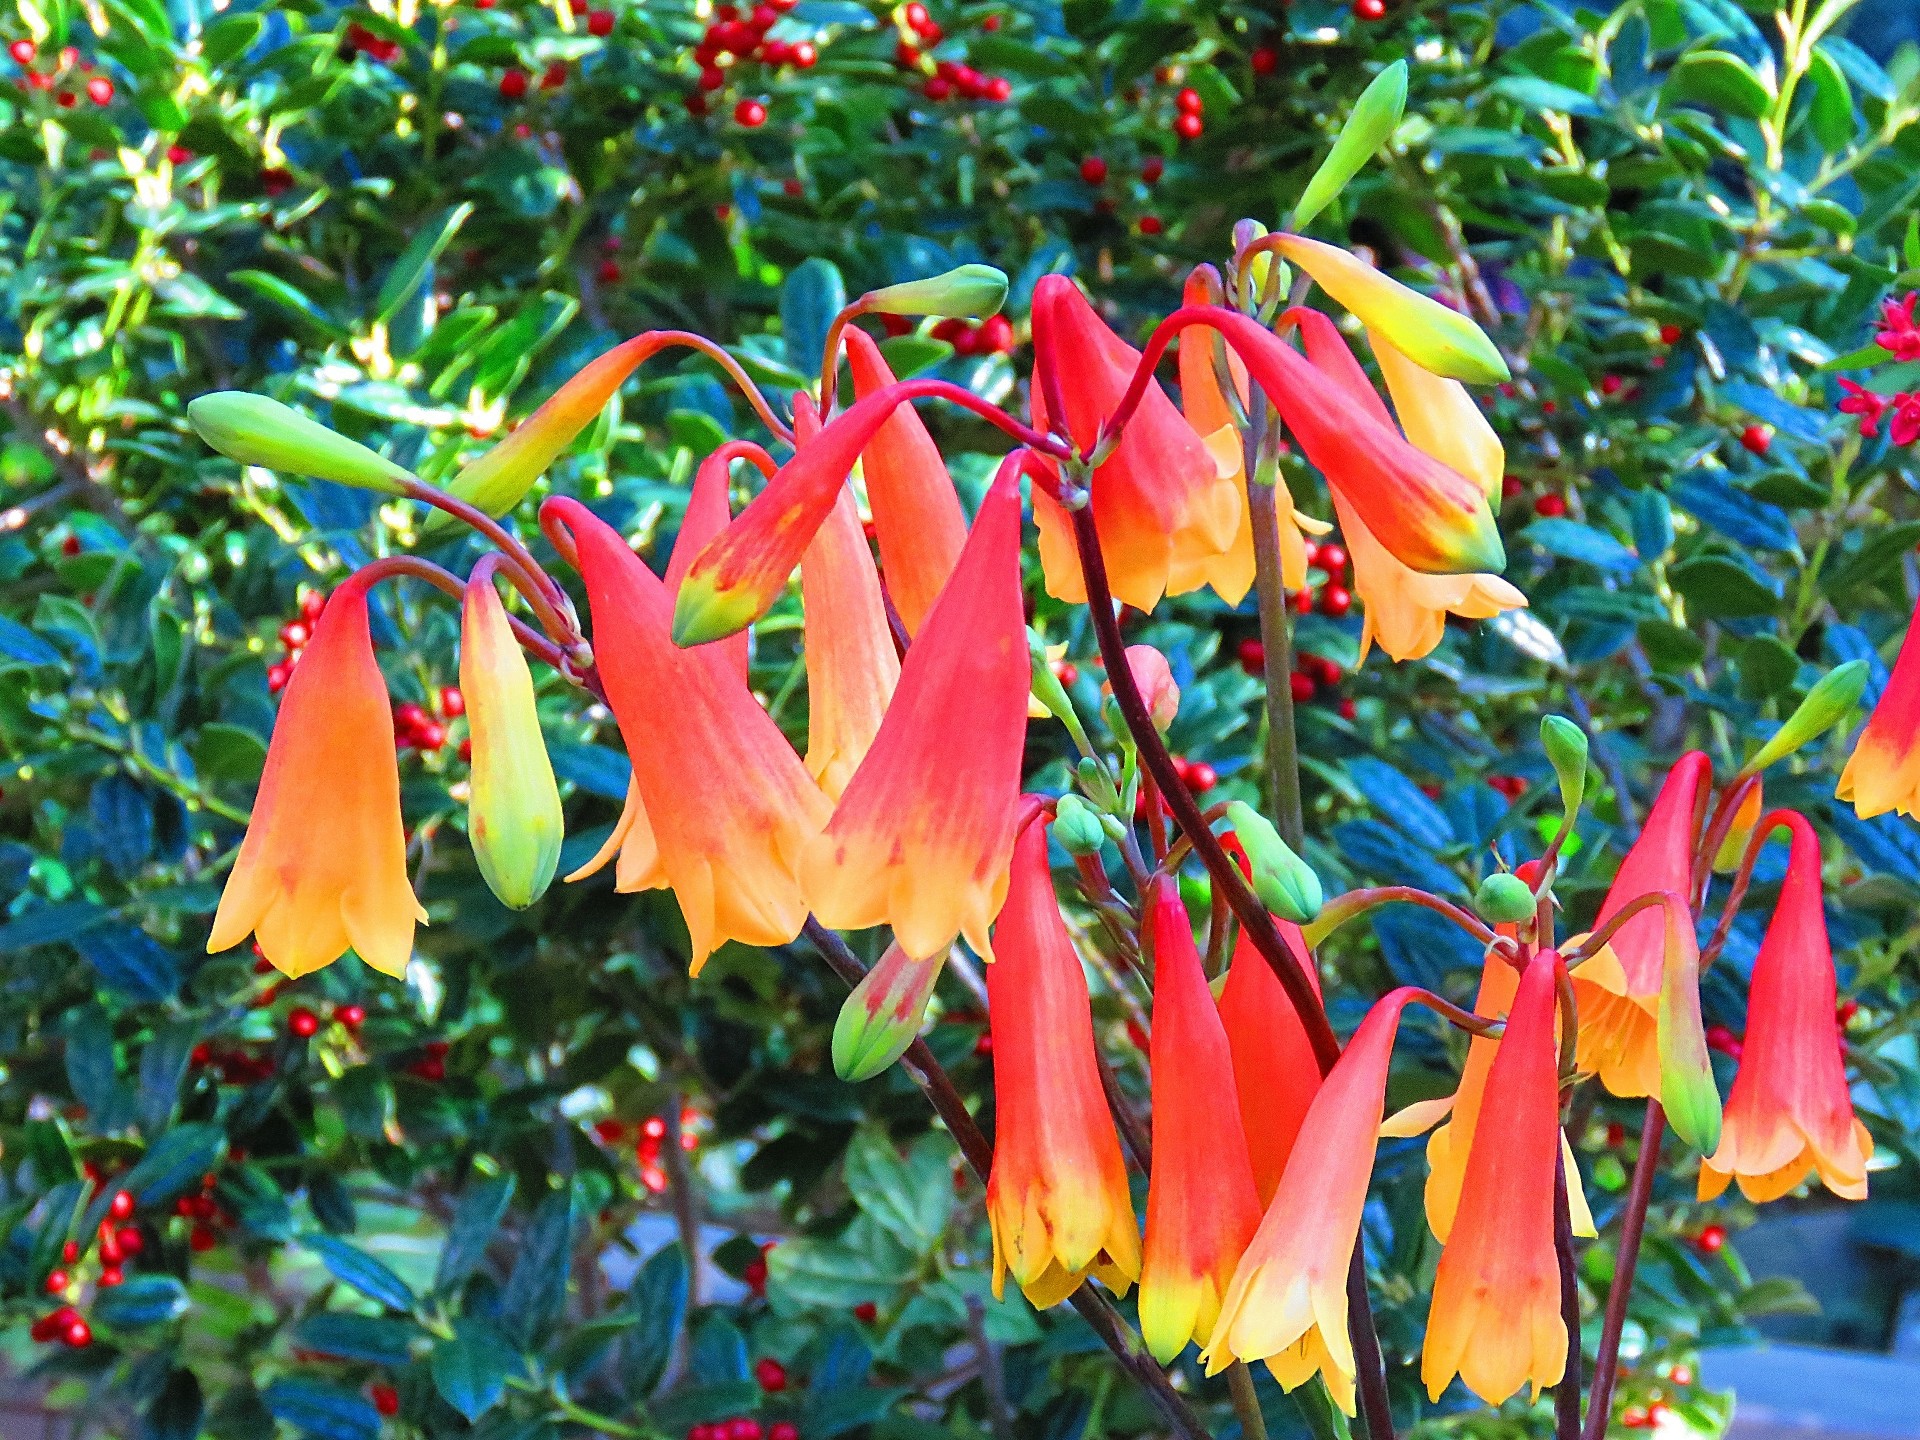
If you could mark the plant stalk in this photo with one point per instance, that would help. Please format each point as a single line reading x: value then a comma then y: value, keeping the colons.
x: 1276, y: 636
x: 1566, y: 1395
x: 1633, y: 1224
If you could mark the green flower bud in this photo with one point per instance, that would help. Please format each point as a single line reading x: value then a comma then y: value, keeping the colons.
x: 1566, y: 747
x: 1827, y: 703
x: 970, y: 292
x: 257, y: 431
x: 1376, y: 115
x: 883, y: 1014
x: 1076, y: 825
x: 1284, y: 882
x: 1687, y: 1089
x: 1504, y: 899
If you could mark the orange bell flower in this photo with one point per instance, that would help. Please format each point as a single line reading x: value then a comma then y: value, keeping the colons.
x: 1057, y: 1199
x: 852, y: 666
x: 1404, y: 610
x: 1790, y: 1113
x: 1495, y: 1318
x: 730, y: 806
x: 324, y: 862
x: 917, y: 520
x: 922, y: 834
x: 1883, y: 772
x: 1617, y: 990
x: 638, y: 866
x: 1165, y: 510
x: 1451, y: 1143
x: 1287, y: 1303
x: 1202, y: 1208
x: 1275, y: 1072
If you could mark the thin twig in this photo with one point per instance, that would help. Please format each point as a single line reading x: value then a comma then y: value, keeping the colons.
x: 1566, y: 1395
x: 1633, y: 1224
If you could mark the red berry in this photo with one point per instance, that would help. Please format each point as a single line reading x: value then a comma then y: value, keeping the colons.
x: 1093, y: 170
x: 121, y: 1206
x: 1844, y: 1015
x: 915, y: 14
x: 1610, y: 384
x: 1188, y: 102
x: 303, y: 1023
x: 430, y: 1069
x: 554, y: 76
x: 57, y: 1280
x: 278, y: 674
x: 70, y: 1252
x: 938, y: 88
x: 755, y: 1274
x: 385, y: 1398
x: 1264, y: 60
x: 999, y: 89
x: 22, y: 52
x: 1550, y: 505
x: 294, y: 634
x: 1616, y: 1135
x: 1188, y: 125
x: 1711, y: 1239
x: 1370, y: 9
x: 1153, y: 169
x: 1510, y: 487
x: 78, y: 1334
x: 100, y: 90
x: 996, y: 335
x: 1326, y: 671
x: 866, y: 1312
x: 311, y: 604
x: 1756, y: 438
x: 351, y: 1016
x: 744, y: 1428
x: 430, y: 736
x: 1670, y: 334
x: 1348, y: 709
x: 1253, y: 655
x: 783, y: 1430
x: 1302, y: 686
x: 513, y: 85
x: 201, y: 1238
x: 1301, y: 601
x: 1335, y: 600
x: 1331, y: 558
x: 750, y: 113
x: 111, y: 1275
x: 804, y: 54
x: 1200, y: 777
x: 600, y: 22
x: 771, y: 1374
x: 609, y: 272
x: 130, y: 1240
x: 1151, y: 225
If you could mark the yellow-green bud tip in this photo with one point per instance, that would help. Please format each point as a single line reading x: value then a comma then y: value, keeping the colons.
x: 254, y: 430
x: 1284, y: 882
x: 702, y: 613
x: 969, y: 292
x: 1828, y: 702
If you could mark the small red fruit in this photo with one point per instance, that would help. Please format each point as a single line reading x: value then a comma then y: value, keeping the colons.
x: 1264, y: 60
x: 1151, y: 225
x: 938, y: 88
x: 1302, y: 686
x: 996, y: 335
x: 803, y: 54
x: 1670, y: 334
x: 1093, y: 170
x: 1335, y: 600
x: 866, y: 1312
x: 783, y: 1430
x: 755, y: 1275
x: 430, y: 736
x: 1348, y: 709
x: 609, y: 272
x: 1153, y: 169
x: 1188, y: 102
x: 111, y: 1275
x: 1301, y: 601
x: 1188, y: 125
x: 70, y: 1252
x: 100, y: 90
x: 1616, y: 1135
x: 1331, y: 558
x: 1610, y: 384
x: 1200, y: 777
x: 1370, y: 9
x: 1253, y: 655
x: 1710, y: 1240
x: 1550, y: 505
x: 750, y: 113
x: 57, y: 1280
x: 201, y: 1238
x: 294, y: 634
x: 121, y: 1206
x: 303, y: 1023
x: 771, y: 1374
x: 600, y: 23
x: 385, y: 1398
x: 351, y: 1016
x: 1756, y: 438
x: 78, y: 1334
x: 513, y: 85
x: 22, y: 52
x: 131, y: 1241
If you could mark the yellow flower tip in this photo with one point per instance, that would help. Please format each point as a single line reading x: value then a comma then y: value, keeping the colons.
x: 703, y: 612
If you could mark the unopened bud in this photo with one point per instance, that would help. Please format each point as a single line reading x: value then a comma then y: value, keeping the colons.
x: 1284, y: 882
x: 1048, y: 693
x: 1827, y: 703
x: 1504, y: 899
x: 1153, y: 678
x: 1566, y: 747
x: 1076, y: 825
x: 883, y: 1015
x: 969, y: 292
x: 1376, y: 115
x: 257, y: 431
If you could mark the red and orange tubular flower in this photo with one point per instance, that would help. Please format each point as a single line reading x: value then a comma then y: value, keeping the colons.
x: 1202, y: 1208
x: 1057, y: 1199
x: 1883, y: 773
x: 324, y: 862
x: 1287, y: 1304
x: 922, y: 834
x: 917, y: 520
x: 1495, y: 1318
x: 1790, y: 1113
x: 731, y: 808
x: 1275, y: 1073
x: 1165, y: 510
x: 1450, y: 1145
x: 1618, y: 988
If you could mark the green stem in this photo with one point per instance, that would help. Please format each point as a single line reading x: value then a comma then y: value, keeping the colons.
x: 1276, y: 636
x: 1246, y: 1404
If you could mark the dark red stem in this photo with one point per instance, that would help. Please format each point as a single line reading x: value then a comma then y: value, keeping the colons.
x: 1633, y: 1224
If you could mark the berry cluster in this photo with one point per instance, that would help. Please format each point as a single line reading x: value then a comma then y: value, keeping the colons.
x: 1899, y: 336
x: 362, y: 41
x: 949, y: 79
x: 1331, y: 596
x: 1511, y: 786
x: 431, y: 1066
x: 117, y: 1242
x: 205, y: 1214
x: 744, y: 1427
x: 734, y: 39
x: 293, y: 640
x: 650, y: 1136
x: 67, y: 65
x: 992, y: 336
x: 415, y: 727
x: 1094, y: 171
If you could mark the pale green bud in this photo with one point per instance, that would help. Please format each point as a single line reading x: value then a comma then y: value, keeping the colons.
x: 1076, y: 825
x: 970, y: 292
x: 1566, y: 747
x: 257, y: 431
x: 1504, y: 899
x: 1376, y: 115
x: 1284, y: 882
x: 1827, y: 703
x: 883, y: 1015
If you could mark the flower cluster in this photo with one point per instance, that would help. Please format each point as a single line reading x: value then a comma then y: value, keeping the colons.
x: 1899, y: 336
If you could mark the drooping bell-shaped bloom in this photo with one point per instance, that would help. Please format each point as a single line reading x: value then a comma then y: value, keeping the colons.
x: 1202, y: 1207
x: 1450, y: 1143
x: 1617, y: 990
x: 501, y: 478
x: 922, y: 834
x: 513, y: 812
x: 1205, y: 405
x: 852, y: 666
x: 1164, y: 509
x: 1275, y: 1072
x: 917, y: 520
x: 1440, y: 417
x: 1790, y: 1114
x: 730, y: 806
x: 1287, y: 1304
x: 324, y: 862
x: 883, y: 1015
x: 1495, y: 1319
x: 1883, y: 773
x: 1402, y: 609
x: 1057, y: 1199
x: 708, y: 511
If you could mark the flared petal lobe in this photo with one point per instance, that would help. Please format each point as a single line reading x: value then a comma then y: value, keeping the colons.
x: 513, y: 811
x: 1287, y: 1303
x: 1618, y: 989
x: 1790, y: 1114
x: 1495, y: 1318
x: 917, y: 520
x: 1274, y: 1070
x: 1202, y: 1208
x: 1164, y: 510
x: 324, y: 862
x: 922, y: 834
x: 1883, y: 773
x: 1057, y: 1199
x: 730, y: 807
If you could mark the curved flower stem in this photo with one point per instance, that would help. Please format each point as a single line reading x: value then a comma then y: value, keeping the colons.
x: 938, y: 1087
x: 735, y: 372
x: 1480, y: 1025
x: 1742, y: 878
x: 1342, y: 908
x: 1633, y: 1224
x: 1595, y: 941
x: 830, y: 358
x: 445, y: 581
x: 542, y: 591
x: 1716, y: 831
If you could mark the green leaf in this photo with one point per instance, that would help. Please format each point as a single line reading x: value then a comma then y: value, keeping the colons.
x: 1713, y: 77
x: 230, y: 37
x: 286, y: 296
x: 326, y: 1412
x: 905, y: 1196
x: 417, y: 259
x: 1571, y: 540
x: 21, y: 646
x: 175, y: 1164
x: 474, y: 1224
x: 536, y: 1291
x: 1767, y: 667
x: 1878, y: 556
x: 1830, y: 116
x: 1725, y: 589
x: 142, y: 1300
x: 229, y: 753
x: 353, y: 1266
x: 659, y: 1298
x: 375, y: 1339
x: 470, y: 1370
x: 813, y: 294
